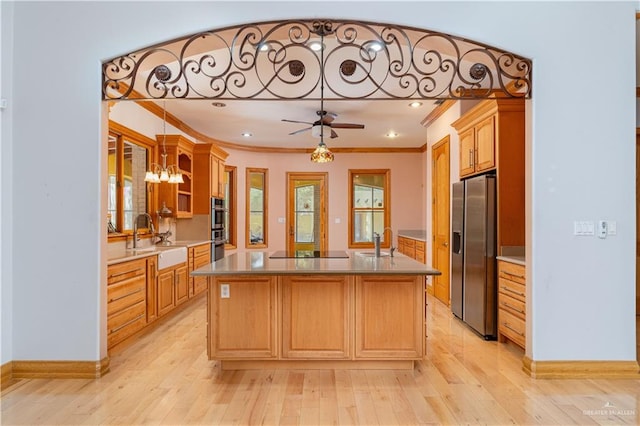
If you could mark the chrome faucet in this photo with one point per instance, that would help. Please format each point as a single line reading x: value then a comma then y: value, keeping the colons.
x: 391, y: 247
x: 135, y: 227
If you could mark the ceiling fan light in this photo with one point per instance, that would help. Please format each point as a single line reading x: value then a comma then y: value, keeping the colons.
x: 320, y: 130
x: 322, y: 154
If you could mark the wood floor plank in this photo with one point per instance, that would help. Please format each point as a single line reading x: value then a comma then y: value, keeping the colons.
x: 163, y: 376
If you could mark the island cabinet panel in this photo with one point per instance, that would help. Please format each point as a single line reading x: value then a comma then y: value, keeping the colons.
x: 244, y: 323
x: 316, y: 317
x: 389, y: 315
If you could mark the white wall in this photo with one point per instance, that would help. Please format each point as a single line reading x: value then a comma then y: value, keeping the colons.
x: 582, y: 162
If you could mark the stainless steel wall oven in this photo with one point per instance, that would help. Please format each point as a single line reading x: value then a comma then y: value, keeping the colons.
x: 218, y: 214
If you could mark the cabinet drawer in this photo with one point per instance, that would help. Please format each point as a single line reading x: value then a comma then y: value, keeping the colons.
x: 511, y: 327
x: 201, y: 261
x: 512, y: 271
x: 512, y: 289
x: 202, y: 250
x: 420, y: 256
x: 513, y: 306
x: 126, y: 270
x: 420, y: 245
x: 125, y: 293
x: 125, y: 323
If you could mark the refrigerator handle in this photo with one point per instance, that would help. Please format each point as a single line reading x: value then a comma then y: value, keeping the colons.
x: 457, y: 242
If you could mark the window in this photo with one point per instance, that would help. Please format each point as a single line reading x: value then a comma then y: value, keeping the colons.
x: 230, y: 206
x: 369, y: 206
x: 257, y: 202
x: 127, y: 194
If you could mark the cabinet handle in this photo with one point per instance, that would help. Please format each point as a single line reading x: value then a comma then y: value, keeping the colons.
x: 506, y: 324
x: 471, y: 157
x: 505, y: 288
x: 119, y: 274
x: 513, y: 308
x: 113, y: 330
x: 126, y: 295
x: 513, y: 275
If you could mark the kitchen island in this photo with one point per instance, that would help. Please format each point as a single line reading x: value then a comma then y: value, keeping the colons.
x: 352, y: 311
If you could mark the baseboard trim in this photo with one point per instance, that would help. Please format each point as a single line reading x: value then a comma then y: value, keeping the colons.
x: 581, y: 369
x: 6, y: 375
x: 59, y: 369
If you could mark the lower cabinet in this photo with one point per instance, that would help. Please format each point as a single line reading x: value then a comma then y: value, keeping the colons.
x: 413, y: 248
x: 172, y: 288
x: 316, y: 318
x: 512, y: 315
x: 199, y: 256
x: 126, y: 300
x: 244, y: 323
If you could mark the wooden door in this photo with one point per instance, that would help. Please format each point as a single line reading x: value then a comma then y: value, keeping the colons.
x: 467, y: 152
x: 165, y: 292
x: 307, y: 212
x: 440, y: 218
x: 485, y: 145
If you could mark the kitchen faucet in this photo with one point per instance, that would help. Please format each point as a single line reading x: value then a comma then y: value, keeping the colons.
x: 135, y: 227
x: 391, y: 247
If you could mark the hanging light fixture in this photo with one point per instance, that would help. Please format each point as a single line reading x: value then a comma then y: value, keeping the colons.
x: 322, y: 154
x: 161, y: 172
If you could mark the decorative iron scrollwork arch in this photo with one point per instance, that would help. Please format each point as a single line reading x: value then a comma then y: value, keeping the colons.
x: 277, y: 60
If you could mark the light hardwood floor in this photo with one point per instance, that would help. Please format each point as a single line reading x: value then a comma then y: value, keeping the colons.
x: 163, y: 376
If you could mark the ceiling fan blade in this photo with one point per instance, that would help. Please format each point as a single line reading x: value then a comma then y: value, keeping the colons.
x: 296, y: 121
x: 347, y: 126
x: 333, y: 134
x: 300, y: 131
x: 328, y: 118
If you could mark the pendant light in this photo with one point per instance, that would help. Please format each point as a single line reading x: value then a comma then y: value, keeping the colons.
x: 322, y: 154
x: 161, y: 172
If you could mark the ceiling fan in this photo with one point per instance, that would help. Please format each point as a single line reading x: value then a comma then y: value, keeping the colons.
x: 325, y: 119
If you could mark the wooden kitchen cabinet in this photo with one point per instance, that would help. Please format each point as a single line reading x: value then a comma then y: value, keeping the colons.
x: 152, y: 284
x: 415, y: 249
x: 126, y: 300
x: 178, y: 197
x: 209, y: 161
x: 198, y: 256
x: 173, y: 288
x: 389, y: 317
x: 492, y: 138
x: 243, y: 325
x: 304, y: 300
x: 512, y: 315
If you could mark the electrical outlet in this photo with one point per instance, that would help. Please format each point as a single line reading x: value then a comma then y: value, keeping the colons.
x: 224, y: 291
x: 602, y: 229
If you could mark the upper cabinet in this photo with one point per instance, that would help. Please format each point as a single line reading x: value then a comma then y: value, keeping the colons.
x: 178, y: 197
x: 492, y: 135
x: 209, y: 174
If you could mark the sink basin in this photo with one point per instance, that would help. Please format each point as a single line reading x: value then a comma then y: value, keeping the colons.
x: 141, y: 250
x: 373, y: 254
x: 171, y: 256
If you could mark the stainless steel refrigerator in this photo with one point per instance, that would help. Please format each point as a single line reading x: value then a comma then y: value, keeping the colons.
x: 473, y: 254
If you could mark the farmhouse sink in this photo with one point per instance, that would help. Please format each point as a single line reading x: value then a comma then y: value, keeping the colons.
x: 170, y: 256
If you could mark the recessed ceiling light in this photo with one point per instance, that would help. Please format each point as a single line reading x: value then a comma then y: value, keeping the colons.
x: 264, y: 47
x: 316, y: 46
x: 375, y: 46
x: 247, y: 134
x: 218, y: 104
x: 392, y: 134
x: 415, y: 104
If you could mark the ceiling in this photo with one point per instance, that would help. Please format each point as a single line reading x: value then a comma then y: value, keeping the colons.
x: 263, y: 120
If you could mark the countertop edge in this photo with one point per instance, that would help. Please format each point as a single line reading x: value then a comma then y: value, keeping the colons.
x: 518, y: 260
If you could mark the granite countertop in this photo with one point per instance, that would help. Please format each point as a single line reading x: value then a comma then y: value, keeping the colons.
x: 518, y: 260
x: 414, y: 234
x: 259, y: 263
x: 126, y: 255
